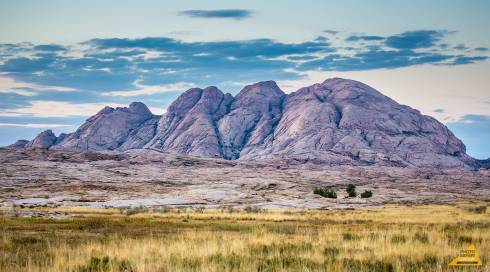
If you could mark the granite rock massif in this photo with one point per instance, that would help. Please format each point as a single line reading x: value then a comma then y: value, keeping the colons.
x: 338, y: 121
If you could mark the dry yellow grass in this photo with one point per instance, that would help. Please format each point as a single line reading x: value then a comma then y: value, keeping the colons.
x: 396, y: 238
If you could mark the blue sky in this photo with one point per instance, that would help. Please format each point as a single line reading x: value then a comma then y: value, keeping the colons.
x: 61, y: 61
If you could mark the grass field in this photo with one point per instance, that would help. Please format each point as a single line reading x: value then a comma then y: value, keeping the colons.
x: 397, y: 238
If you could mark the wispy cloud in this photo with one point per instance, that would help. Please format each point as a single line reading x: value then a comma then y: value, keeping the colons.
x: 475, y: 118
x: 355, y: 38
x: 29, y: 125
x: 142, y: 89
x: 56, y: 109
x: 236, y: 14
x: 10, y: 85
x: 415, y: 39
x: 158, y: 68
x: 330, y: 31
x: 41, y: 109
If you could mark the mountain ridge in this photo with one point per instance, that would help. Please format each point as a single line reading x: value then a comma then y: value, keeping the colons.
x: 338, y: 121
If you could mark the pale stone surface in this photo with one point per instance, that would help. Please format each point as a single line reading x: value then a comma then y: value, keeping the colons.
x: 18, y: 144
x: 339, y: 121
x: 253, y: 114
x: 108, y: 129
x: 44, y: 139
x: 189, y: 126
x: 36, y: 177
x: 354, y: 121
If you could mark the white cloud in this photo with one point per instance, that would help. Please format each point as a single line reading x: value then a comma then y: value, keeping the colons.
x: 10, y: 85
x: 157, y: 111
x: 142, y: 89
x: 29, y: 125
x: 56, y: 109
x: 64, y: 109
x: 458, y: 90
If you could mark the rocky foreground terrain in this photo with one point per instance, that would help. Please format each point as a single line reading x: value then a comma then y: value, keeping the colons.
x: 37, y: 177
x: 262, y: 147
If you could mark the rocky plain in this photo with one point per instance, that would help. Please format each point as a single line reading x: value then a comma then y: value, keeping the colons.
x: 41, y: 177
x: 261, y: 148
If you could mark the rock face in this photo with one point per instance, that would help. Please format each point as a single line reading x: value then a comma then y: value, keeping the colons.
x: 251, y: 119
x: 44, y: 139
x: 190, y: 124
x: 338, y: 121
x: 19, y: 144
x: 110, y: 128
x: 343, y: 120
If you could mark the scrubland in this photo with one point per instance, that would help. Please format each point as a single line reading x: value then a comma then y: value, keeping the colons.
x: 394, y: 238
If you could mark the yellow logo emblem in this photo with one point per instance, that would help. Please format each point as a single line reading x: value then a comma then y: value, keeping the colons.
x: 467, y: 257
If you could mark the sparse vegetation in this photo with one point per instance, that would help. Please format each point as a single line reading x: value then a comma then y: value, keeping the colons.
x: 325, y: 192
x: 252, y: 209
x: 402, y: 239
x: 366, y: 194
x: 105, y: 264
x: 398, y: 239
x: 351, y: 190
x: 478, y: 209
x: 421, y: 237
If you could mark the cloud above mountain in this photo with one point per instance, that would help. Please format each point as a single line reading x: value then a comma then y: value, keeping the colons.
x: 236, y: 14
x: 159, y: 68
x: 108, y: 65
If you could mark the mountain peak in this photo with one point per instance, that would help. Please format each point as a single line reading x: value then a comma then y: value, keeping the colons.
x: 44, y: 139
x: 259, y: 89
x: 108, y: 129
x: 139, y: 108
x: 338, y: 121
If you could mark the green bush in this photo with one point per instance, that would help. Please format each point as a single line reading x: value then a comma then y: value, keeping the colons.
x: 351, y: 190
x: 325, y: 192
x: 366, y: 194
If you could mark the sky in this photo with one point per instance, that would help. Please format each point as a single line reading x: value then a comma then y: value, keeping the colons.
x: 62, y: 61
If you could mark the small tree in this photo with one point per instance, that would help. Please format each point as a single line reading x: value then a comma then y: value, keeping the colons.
x: 351, y: 190
x: 366, y: 194
x: 325, y: 192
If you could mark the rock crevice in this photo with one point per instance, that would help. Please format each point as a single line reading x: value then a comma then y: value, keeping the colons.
x: 338, y: 121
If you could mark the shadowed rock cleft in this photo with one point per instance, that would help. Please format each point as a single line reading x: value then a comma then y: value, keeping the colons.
x: 338, y: 121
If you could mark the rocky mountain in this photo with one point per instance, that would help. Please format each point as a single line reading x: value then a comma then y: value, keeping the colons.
x: 111, y: 129
x: 338, y: 121
x: 190, y: 124
x: 18, y: 144
x: 44, y: 139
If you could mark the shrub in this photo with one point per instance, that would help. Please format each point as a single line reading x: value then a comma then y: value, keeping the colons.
x: 252, y: 209
x: 350, y: 236
x: 398, y: 239
x: 199, y: 209
x: 421, y: 237
x: 351, y: 190
x: 325, y: 192
x: 136, y: 210
x: 106, y: 264
x: 351, y: 264
x: 366, y: 194
x: 331, y: 251
x: 478, y: 209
